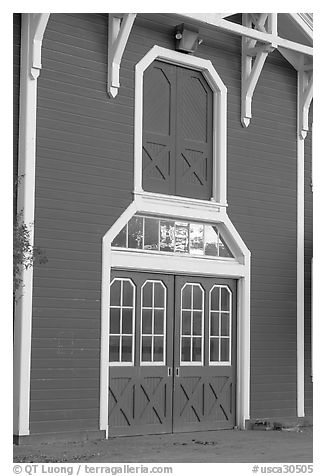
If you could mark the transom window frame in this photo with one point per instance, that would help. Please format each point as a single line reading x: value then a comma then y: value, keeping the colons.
x: 219, y: 120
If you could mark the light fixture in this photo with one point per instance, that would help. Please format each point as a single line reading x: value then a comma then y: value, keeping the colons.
x: 187, y: 38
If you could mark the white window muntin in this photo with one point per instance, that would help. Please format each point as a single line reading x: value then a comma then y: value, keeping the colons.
x: 120, y: 335
x: 219, y: 337
x: 152, y: 334
x: 191, y: 336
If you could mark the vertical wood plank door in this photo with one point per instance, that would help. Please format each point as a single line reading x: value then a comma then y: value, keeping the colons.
x: 140, y: 373
x: 177, y: 132
x: 172, y: 352
x: 204, y: 354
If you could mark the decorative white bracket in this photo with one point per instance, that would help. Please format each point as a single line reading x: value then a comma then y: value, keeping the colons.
x: 38, y: 22
x: 119, y: 30
x: 253, y: 57
x: 304, y: 99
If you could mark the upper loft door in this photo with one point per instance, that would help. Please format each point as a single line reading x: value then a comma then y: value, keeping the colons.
x: 177, y: 132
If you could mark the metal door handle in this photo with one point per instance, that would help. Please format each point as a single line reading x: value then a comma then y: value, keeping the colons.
x: 177, y: 371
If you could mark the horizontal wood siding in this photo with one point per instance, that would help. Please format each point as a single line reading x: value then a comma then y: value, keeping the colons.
x: 84, y: 182
x: 308, y: 257
x: 16, y: 83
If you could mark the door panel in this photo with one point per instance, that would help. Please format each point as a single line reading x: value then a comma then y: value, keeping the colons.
x: 203, y: 395
x: 140, y: 395
x: 178, y: 373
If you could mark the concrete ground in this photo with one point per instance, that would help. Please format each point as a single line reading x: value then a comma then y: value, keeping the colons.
x: 223, y: 446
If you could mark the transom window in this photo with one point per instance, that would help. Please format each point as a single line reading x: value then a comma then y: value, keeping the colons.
x: 220, y: 325
x: 153, y: 234
x: 192, y: 324
x: 153, y: 323
x: 121, y: 322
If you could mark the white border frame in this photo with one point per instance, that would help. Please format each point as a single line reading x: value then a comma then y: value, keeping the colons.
x: 230, y: 312
x: 190, y: 363
x: 121, y: 307
x: 188, y: 209
x: 152, y: 363
x: 219, y: 118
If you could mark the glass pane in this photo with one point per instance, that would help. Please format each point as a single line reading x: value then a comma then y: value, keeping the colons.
x: 214, y: 349
x: 210, y: 241
x: 215, y: 299
x: 225, y: 324
x: 158, y: 349
x: 225, y: 350
x: 197, y: 322
x: 197, y: 297
x: 147, y: 295
x: 186, y: 322
x: 196, y: 349
x: 147, y: 321
x: 127, y: 321
x: 182, y: 237
x: 167, y: 239
x: 114, y: 321
x: 114, y: 349
x: 146, y: 349
x: 196, y: 239
x: 158, y: 321
x: 128, y: 294
x: 126, y: 355
x: 186, y: 297
x: 121, y: 239
x: 225, y: 299
x: 214, y: 324
x: 158, y: 295
x: 223, y: 249
x: 115, y: 293
x: 185, y: 349
x: 151, y: 234
x: 135, y: 232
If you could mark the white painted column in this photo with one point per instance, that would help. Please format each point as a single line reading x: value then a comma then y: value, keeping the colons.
x: 300, y: 256
x: 33, y: 26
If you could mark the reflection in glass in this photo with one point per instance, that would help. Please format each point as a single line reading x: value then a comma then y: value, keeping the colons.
x: 121, y: 239
x: 186, y: 297
x: 167, y: 239
x: 185, y: 349
x: 197, y: 297
x: 158, y: 321
x: 148, y: 295
x: 225, y: 350
x: 126, y: 349
x: 114, y: 348
x: 115, y: 292
x: 196, y: 349
x: 147, y: 321
x: 151, y: 234
x: 158, y: 295
x: 127, y: 293
x: 196, y: 325
x: 181, y: 237
x: 210, y: 241
x: 146, y: 349
x: 196, y: 239
x: 225, y: 324
x: 225, y: 299
x: 214, y: 350
x: 158, y: 349
x: 127, y: 321
x: 215, y: 299
x: 215, y: 324
x: 114, y: 321
x: 223, y: 249
x: 186, y: 322
x: 135, y: 232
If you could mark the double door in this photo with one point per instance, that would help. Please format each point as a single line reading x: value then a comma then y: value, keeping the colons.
x: 172, y: 352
